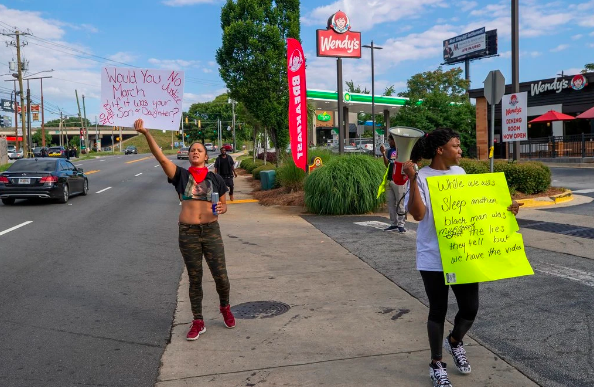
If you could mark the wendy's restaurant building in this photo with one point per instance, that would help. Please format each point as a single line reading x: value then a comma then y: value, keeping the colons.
x: 571, y: 141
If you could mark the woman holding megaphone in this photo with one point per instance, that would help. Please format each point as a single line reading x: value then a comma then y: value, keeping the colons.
x: 442, y: 147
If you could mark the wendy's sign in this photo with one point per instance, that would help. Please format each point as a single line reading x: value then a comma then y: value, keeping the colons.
x: 337, y: 40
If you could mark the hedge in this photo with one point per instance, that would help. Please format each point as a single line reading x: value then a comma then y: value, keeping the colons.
x: 267, y: 167
x: 345, y: 185
x: 249, y: 165
x: 289, y: 176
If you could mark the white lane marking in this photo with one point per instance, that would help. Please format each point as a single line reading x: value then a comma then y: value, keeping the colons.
x: 581, y: 276
x: 156, y: 166
x: 78, y: 165
x: 374, y: 224
x: 103, y: 190
x: 138, y: 174
x: 101, y: 159
x: 584, y: 191
x: 15, y: 227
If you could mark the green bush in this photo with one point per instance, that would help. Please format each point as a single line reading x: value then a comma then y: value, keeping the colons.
x: 475, y: 166
x: 325, y: 154
x: 267, y: 167
x: 289, y: 176
x: 528, y: 178
x: 345, y: 185
x: 249, y: 165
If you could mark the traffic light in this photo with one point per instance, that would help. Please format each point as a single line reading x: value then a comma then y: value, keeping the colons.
x: 199, y: 124
x: 186, y: 119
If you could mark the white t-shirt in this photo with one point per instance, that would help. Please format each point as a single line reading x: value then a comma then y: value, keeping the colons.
x: 428, y: 257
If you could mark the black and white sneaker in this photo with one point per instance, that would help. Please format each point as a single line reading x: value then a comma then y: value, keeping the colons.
x: 391, y: 228
x: 458, y: 354
x: 439, y: 374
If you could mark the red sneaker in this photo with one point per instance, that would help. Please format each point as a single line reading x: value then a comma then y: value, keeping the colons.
x: 196, y: 329
x: 228, y: 316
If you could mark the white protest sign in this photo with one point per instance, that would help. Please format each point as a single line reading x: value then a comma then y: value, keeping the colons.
x: 153, y: 95
x: 514, y: 109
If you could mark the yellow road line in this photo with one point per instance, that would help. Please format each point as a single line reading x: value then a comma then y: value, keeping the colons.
x: 135, y: 161
x: 91, y: 172
x: 242, y: 201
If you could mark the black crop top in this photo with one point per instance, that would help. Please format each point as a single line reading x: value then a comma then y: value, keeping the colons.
x: 188, y: 189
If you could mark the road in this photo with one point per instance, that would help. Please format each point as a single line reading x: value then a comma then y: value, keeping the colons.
x: 541, y: 324
x: 89, y: 288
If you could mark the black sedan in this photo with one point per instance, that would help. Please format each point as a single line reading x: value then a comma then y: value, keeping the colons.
x: 47, y: 178
x: 131, y: 150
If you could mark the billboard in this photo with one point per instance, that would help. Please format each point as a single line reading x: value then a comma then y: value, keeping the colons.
x: 471, y: 45
x: 7, y: 105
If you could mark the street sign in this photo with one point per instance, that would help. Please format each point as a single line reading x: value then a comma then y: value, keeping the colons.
x: 494, y: 91
x: 494, y: 87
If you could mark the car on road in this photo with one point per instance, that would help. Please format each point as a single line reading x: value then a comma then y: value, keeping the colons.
x: 347, y: 149
x: 57, y: 151
x: 183, y: 153
x: 15, y: 154
x: 43, y: 178
x: 40, y: 151
x: 209, y: 147
x: 228, y: 147
x: 131, y: 150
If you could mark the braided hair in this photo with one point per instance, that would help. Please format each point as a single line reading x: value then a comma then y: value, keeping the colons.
x: 426, y: 147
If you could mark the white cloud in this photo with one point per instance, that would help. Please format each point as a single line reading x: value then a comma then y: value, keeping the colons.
x: 124, y: 57
x: 366, y: 14
x: 173, y: 64
x: 206, y: 70
x: 181, y: 3
x: 591, y: 33
x: 191, y: 98
x: 467, y: 5
x: 530, y: 54
x: 560, y: 47
x: 572, y: 71
x: 29, y: 20
x: 577, y: 37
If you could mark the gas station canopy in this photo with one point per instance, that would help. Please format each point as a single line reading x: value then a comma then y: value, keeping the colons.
x: 357, y: 103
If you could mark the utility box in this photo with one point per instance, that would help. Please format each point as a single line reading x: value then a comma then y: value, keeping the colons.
x: 267, y: 178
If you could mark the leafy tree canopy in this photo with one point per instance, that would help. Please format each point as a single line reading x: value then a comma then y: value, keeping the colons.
x: 68, y: 122
x: 588, y: 67
x: 252, y: 59
x: 351, y: 88
x: 444, y: 104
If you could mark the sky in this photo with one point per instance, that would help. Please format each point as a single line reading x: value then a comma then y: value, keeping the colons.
x: 77, y: 38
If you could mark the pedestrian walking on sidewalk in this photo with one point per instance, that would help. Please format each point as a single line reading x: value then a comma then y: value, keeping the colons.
x: 225, y: 166
x: 442, y: 147
x: 199, y: 232
x: 395, y: 188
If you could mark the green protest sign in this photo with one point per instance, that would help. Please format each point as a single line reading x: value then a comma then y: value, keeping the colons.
x: 478, y: 237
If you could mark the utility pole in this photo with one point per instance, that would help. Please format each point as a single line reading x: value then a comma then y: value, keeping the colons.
x: 28, y: 118
x: 19, y: 76
x: 61, y: 131
x: 82, y: 126
x: 515, y: 19
x: 86, y: 136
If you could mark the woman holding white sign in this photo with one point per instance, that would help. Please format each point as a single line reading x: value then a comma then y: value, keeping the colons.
x: 442, y: 147
x: 199, y: 232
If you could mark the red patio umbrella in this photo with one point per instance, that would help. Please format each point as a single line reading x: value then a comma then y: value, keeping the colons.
x: 588, y: 114
x: 552, y: 115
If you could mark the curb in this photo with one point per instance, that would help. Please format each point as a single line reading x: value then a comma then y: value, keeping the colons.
x: 546, y: 201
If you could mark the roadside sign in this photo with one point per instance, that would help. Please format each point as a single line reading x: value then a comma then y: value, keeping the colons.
x: 494, y: 87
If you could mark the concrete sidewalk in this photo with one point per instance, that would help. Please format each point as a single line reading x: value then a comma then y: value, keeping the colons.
x: 347, y: 324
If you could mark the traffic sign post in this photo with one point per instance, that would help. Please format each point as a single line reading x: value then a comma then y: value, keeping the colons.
x: 494, y: 91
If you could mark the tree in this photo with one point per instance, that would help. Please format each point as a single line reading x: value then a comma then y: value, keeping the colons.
x: 390, y: 91
x: 352, y: 89
x: 588, y: 67
x: 438, y: 99
x: 252, y: 59
x: 36, y: 138
x: 67, y: 122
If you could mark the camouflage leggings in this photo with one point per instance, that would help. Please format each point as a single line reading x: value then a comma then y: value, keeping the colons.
x: 196, y: 240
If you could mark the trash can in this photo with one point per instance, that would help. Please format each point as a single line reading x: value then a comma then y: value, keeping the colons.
x: 267, y: 178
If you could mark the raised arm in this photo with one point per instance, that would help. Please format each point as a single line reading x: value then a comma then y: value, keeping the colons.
x: 416, y: 207
x: 168, y: 166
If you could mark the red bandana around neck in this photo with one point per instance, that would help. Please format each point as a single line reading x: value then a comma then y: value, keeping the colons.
x: 199, y: 174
